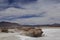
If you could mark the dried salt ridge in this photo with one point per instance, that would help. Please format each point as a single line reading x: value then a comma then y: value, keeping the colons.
x: 32, y: 32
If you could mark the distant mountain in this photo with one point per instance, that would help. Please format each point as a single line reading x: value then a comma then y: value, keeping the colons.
x: 9, y: 24
x: 12, y: 25
x: 56, y: 25
x: 44, y: 25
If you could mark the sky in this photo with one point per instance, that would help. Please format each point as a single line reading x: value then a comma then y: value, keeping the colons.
x: 30, y: 12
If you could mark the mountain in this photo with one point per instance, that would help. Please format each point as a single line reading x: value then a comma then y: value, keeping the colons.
x: 9, y: 24
x: 44, y: 25
x: 13, y: 25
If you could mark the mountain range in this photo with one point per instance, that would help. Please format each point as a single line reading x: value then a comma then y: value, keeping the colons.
x: 10, y: 24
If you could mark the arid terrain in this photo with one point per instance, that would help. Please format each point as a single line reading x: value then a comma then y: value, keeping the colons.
x: 49, y: 34
x: 14, y: 31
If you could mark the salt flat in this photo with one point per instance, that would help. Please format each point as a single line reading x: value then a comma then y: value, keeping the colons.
x: 49, y: 34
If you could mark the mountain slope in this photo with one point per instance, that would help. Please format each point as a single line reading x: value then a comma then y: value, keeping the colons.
x: 9, y: 24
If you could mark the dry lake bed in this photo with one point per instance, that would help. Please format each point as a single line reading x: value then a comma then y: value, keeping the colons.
x: 49, y: 34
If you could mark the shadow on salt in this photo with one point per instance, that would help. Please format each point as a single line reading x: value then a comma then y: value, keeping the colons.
x: 21, y: 37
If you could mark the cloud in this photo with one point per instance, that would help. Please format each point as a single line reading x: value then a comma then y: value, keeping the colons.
x: 4, y: 4
x: 40, y: 12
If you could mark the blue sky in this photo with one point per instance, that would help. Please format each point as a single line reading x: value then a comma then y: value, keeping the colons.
x: 30, y: 12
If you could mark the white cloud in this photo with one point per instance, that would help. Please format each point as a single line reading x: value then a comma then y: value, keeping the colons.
x: 51, y: 9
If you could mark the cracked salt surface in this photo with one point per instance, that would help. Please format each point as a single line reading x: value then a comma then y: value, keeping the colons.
x: 50, y: 34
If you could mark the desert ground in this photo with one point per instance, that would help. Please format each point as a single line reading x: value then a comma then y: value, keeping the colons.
x: 49, y: 34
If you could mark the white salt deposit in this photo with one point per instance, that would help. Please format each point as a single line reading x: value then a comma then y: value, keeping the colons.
x: 50, y: 34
